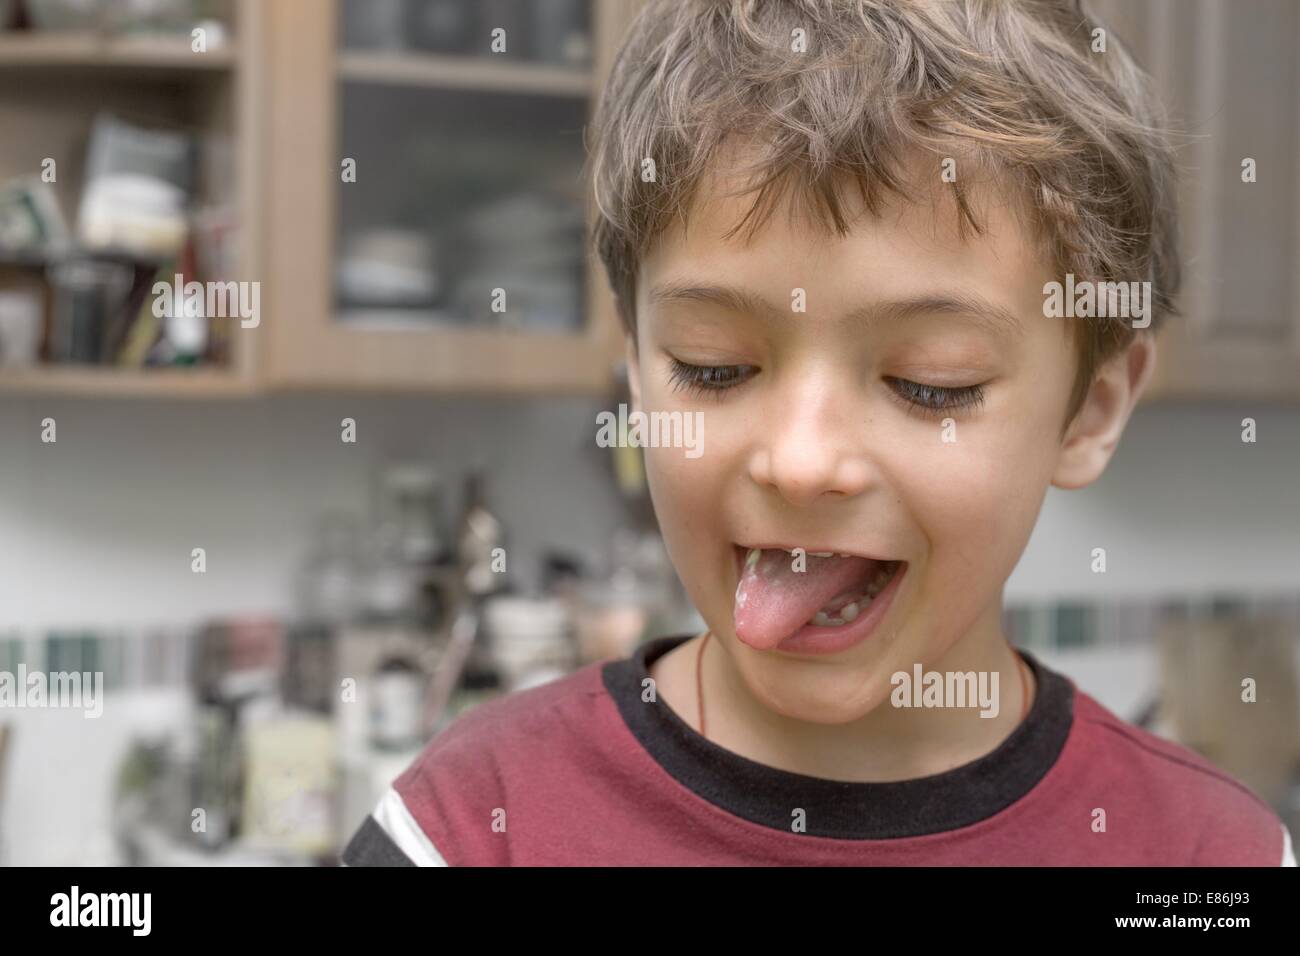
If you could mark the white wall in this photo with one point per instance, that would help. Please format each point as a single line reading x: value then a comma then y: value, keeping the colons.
x: 97, y: 529
x: 1185, y: 509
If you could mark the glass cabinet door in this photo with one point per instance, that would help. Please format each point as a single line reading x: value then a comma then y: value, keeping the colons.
x: 467, y: 204
x: 428, y: 210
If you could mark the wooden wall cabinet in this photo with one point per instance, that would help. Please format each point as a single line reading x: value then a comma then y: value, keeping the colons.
x: 1229, y: 74
x: 420, y: 126
x: 289, y: 98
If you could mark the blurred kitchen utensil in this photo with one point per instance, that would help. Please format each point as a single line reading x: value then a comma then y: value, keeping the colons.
x: 441, y: 26
x: 21, y: 319
x: 166, y: 17
x: 464, y: 630
x: 388, y: 268
x: 31, y: 220
x: 54, y: 15
x: 480, y: 541
x: 329, y: 583
x: 374, y: 24
x: 509, y: 16
x: 530, y: 639
x: 89, y: 296
x: 561, y: 32
x: 398, y: 687
x: 530, y: 244
x: 290, y: 784
x: 137, y: 185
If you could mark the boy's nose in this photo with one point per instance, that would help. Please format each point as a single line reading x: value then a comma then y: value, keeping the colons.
x: 806, y: 456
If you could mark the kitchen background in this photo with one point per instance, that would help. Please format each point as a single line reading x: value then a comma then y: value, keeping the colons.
x: 224, y: 155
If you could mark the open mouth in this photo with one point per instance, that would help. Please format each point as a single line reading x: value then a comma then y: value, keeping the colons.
x: 782, y: 590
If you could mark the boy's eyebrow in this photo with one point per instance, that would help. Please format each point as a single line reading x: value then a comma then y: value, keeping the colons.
x: 993, y: 317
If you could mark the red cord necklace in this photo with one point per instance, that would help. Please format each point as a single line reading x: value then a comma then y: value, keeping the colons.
x: 1021, y: 669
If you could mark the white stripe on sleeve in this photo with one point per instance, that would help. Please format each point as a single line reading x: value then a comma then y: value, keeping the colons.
x: 397, y: 822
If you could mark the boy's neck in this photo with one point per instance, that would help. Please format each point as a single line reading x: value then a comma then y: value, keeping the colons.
x: 889, y: 743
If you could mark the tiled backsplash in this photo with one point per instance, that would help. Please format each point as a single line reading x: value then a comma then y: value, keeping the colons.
x: 1124, y: 623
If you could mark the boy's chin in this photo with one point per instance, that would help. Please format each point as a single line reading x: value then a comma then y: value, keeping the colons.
x: 812, y: 691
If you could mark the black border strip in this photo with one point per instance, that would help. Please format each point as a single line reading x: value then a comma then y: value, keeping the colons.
x: 839, y: 809
x: 372, y: 846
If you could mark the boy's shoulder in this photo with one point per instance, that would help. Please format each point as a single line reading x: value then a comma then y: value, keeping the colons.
x: 518, y: 726
x: 498, y: 767
x: 1177, y: 787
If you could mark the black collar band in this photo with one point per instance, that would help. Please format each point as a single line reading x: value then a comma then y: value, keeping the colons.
x: 841, y: 809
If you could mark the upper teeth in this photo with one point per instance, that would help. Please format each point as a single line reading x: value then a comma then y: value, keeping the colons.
x: 753, y: 555
x: 813, y: 554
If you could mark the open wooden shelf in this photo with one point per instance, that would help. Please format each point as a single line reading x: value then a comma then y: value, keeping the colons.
x: 56, y: 82
x: 100, y: 50
x: 272, y: 95
x: 452, y: 361
x: 110, y: 382
x: 436, y: 71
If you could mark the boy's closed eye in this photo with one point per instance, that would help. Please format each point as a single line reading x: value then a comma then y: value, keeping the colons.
x: 925, y: 397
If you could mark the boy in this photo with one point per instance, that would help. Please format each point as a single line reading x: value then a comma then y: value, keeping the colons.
x: 832, y: 227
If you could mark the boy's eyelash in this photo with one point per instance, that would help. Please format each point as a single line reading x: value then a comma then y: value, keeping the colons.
x: 698, y: 379
x: 933, y: 399
x: 929, y: 399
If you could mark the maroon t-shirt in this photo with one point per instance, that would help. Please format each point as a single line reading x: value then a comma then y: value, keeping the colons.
x: 588, y: 771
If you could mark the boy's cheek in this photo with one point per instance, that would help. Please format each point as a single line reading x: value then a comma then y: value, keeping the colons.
x: 681, y: 490
x: 704, y: 449
x: 688, y: 507
x: 978, y: 502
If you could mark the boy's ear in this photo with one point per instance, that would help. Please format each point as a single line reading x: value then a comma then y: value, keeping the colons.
x: 633, y: 370
x: 1094, y: 434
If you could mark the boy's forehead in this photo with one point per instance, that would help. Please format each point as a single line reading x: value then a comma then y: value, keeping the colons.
x: 910, y: 241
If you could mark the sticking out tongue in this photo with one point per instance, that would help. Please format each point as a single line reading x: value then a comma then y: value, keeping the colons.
x: 774, y: 600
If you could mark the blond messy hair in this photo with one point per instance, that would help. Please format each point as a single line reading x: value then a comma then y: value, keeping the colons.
x: 1011, y: 88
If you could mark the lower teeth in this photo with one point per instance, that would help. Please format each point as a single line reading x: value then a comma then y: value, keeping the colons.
x: 849, y: 612
x: 846, y: 614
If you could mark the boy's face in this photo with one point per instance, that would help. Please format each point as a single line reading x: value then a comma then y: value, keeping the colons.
x: 818, y: 443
